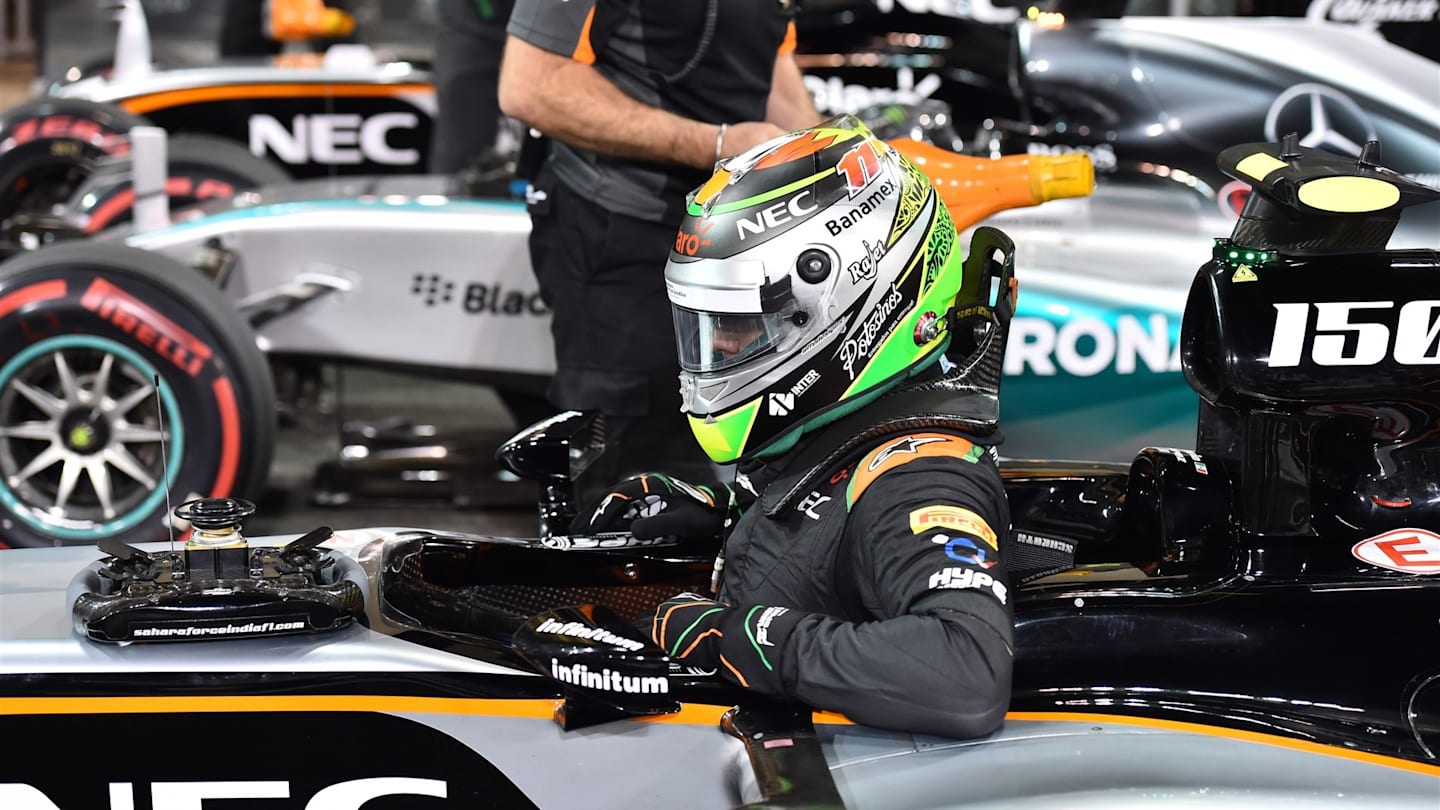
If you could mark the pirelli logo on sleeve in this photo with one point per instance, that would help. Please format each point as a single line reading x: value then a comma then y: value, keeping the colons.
x: 954, y: 518
x: 903, y: 450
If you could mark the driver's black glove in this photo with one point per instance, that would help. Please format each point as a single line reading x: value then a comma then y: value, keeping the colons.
x: 655, y: 505
x: 743, y: 643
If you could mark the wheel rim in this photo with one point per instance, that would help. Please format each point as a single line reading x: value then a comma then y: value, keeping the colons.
x: 46, y: 186
x: 80, y: 438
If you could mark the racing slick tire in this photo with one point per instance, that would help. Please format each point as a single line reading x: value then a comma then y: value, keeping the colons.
x: 87, y: 444
x: 48, y: 146
x: 201, y: 167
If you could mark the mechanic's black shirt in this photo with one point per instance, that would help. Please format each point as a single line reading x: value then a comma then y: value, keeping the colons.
x: 896, y: 561
x: 707, y: 60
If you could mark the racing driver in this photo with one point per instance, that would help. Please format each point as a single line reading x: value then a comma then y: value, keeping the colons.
x: 864, y: 565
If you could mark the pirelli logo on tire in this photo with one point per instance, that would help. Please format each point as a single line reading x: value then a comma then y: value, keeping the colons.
x: 145, y: 325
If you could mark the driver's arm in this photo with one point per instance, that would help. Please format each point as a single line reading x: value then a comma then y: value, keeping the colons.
x: 790, y: 106
x: 936, y: 657
x: 548, y: 81
x: 570, y: 101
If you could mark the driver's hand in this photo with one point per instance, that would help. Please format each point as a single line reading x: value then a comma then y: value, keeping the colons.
x: 687, y: 627
x: 742, y: 136
x: 744, y: 644
x: 655, y: 505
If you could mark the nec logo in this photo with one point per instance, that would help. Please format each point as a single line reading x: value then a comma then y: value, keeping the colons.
x: 774, y: 216
x: 1339, y: 341
x: 334, y: 139
x: 351, y: 795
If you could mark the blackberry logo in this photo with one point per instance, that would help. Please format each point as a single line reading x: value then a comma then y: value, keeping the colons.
x: 432, y: 288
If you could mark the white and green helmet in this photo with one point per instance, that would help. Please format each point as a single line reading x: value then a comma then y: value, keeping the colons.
x: 810, y: 275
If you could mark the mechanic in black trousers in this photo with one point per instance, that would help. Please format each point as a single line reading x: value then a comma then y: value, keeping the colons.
x: 866, y: 564
x: 469, y: 41
x: 637, y: 100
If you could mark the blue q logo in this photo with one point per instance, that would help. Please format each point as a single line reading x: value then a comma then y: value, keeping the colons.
x: 963, y: 549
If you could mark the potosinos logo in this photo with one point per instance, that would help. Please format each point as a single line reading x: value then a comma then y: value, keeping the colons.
x: 859, y: 347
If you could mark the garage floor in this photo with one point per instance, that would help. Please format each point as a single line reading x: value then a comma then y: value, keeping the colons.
x: 313, y: 434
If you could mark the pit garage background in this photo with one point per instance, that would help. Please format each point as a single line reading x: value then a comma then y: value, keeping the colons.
x: 77, y: 32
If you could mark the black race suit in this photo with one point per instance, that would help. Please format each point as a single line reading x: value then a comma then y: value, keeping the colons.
x: 893, y: 567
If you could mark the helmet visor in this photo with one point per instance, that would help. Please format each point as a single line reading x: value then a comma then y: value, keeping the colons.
x: 711, y: 341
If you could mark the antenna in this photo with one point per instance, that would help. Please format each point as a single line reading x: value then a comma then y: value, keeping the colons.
x: 165, y: 466
x: 1290, y: 146
x: 1370, y: 154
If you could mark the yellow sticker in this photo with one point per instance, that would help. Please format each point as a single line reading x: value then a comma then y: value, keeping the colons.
x: 955, y: 518
x: 1259, y: 165
x: 1349, y: 195
x: 1244, y: 273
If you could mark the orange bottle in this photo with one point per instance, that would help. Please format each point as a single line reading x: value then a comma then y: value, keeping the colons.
x: 303, y: 20
x: 973, y: 188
